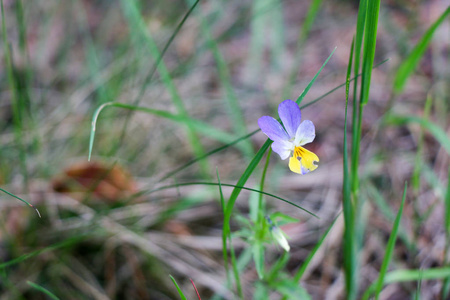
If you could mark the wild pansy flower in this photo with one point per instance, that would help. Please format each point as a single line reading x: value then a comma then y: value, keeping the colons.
x: 292, y: 137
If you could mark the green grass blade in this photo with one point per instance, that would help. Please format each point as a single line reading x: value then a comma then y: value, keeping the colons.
x: 308, y: 87
x: 224, y: 237
x: 180, y: 292
x: 42, y: 289
x: 360, y: 25
x: 201, y: 127
x: 301, y: 271
x: 240, y: 187
x: 24, y: 201
x: 370, y: 40
x: 390, y: 246
x: 241, y: 182
x: 438, y: 133
x: 409, y: 275
x: 410, y: 63
x: 349, y: 232
x: 224, y: 247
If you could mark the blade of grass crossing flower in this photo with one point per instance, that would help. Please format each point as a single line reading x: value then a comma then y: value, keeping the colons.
x: 43, y: 290
x: 143, y: 35
x: 17, y: 108
x: 180, y: 292
x: 308, y: 87
x: 201, y: 127
x: 348, y: 209
x: 24, y: 201
x: 390, y: 245
x: 190, y: 163
x: 409, y: 64
x: 224, y: 247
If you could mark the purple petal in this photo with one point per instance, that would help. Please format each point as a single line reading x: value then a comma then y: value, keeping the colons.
x: 282, y: 148
x: 305, y: 133
x: 290, y: 115
x: 273, y: 129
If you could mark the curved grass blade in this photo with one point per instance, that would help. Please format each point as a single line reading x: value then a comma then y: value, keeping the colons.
x: 390, y: 246
x: 199, y: 126
x: 42, y: 289
x: 228, y: 185
x: 24, y: 201
x: 180, y: 292
x: 410, y: 63
x: 190, y: 163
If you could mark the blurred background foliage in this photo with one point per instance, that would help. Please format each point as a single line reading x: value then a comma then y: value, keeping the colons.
x: 104, y: 235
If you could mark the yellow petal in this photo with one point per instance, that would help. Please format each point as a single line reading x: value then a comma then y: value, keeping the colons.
x: 302, y: 158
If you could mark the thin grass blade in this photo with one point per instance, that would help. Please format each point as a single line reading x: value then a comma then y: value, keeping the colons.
x: 410, y: 63
x: 301, y: 271
x: 370, y: 41
x: 180, y: 292
x: 390, y: 246
x: 24, y: 201
x: 228, y: 185
x: 308, y: 87
x: 43, y: 290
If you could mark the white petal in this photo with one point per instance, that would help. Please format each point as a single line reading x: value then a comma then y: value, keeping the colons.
x: 282, y: 148
x: 305, y: 133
